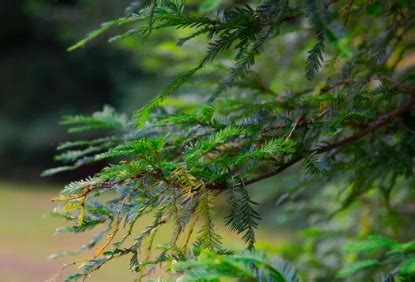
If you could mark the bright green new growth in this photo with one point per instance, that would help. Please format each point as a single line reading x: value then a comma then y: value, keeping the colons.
x: 340, y: 119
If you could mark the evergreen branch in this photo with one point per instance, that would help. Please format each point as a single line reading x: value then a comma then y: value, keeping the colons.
x: 315, y: 57
x: 105, y: 119
x: 174, y: 157
x: 243, y: 217
x: 208, y: 238
x: 103, y: 28
x: 370, y: 127
x: 380, y: 122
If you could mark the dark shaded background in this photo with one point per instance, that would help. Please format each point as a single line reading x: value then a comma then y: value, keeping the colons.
x: 40, y: 81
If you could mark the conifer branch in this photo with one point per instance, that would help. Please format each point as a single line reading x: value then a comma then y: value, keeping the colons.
x: 173, y: 157
x: 382, y: 121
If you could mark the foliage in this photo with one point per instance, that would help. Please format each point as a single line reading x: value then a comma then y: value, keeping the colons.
x: 209, y: 266
x: 398, y: 259
x: 349, y: 120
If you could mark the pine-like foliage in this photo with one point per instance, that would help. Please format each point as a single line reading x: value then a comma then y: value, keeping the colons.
x: 243, y: 217
x: 214, y: 267
x: 171, y: 159
x: 398, y: 258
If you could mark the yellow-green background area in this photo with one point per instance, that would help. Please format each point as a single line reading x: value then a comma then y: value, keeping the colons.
x: 27, y: 238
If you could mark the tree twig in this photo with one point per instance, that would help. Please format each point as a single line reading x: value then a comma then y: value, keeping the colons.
x: 385, y: 119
